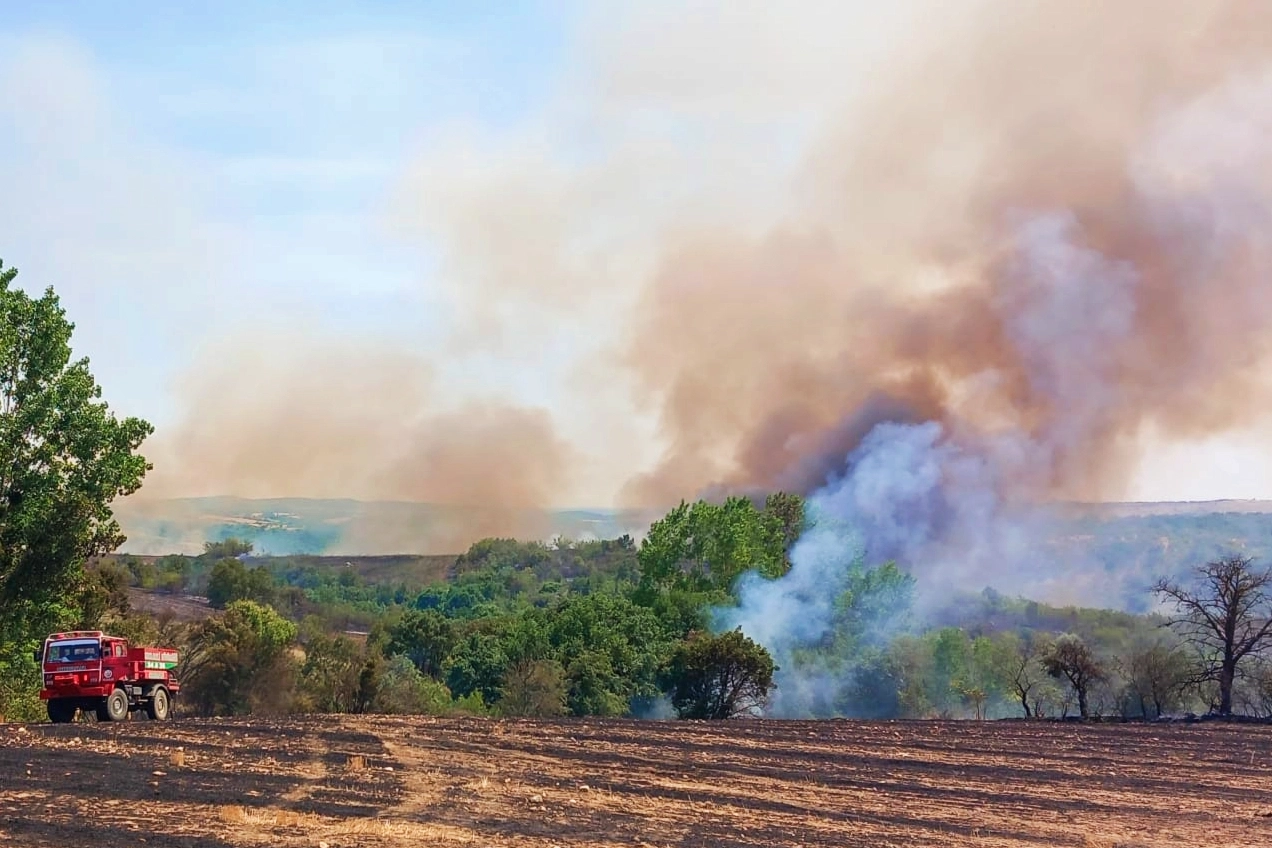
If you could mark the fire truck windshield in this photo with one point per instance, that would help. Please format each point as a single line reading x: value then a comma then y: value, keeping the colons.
x: 78, y: 651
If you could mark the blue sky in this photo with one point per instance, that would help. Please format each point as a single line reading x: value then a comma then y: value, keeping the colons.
x: 234, y: 164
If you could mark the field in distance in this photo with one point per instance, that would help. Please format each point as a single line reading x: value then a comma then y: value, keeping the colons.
x: 403, y: 781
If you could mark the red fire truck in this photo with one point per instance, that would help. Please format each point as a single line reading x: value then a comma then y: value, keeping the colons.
x: 92, y: 671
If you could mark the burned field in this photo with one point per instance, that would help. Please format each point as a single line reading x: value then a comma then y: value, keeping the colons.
x: 387, y: 781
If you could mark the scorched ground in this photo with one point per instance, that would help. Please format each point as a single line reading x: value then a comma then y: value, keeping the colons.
x: 388, y: 781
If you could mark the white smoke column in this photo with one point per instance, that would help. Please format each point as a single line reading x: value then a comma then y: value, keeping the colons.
x: 909, y: 493
x: 940, y: 503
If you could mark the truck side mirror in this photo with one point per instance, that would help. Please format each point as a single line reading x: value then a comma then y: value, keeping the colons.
x: 37, y: 656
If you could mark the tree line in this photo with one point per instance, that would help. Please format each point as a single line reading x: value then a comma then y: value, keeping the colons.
x: 614, y: 628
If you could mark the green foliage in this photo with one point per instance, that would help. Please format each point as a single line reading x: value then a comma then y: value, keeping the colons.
x: 331, y: 675
x: 230, y: 580
x: 868, y: 613
x: 718, y: 677
x: 1156, y: 675
x: 102, y: 596
x: 403, y: 690
x: 169, y: 575
x: 1070, y: 658
x: 606, y: 628
x: 476, y: 666
x: 230, y: 548
x: 533, y: 689
x: 239, y: 662
x: 704, y: 547
x: 20, y: 683
x: 785, y: 520
x: 611, y: 649
x: 64, y: 457
x: 426, y: 637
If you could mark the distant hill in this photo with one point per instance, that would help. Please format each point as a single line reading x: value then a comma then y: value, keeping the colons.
x: 287, y: 526
x: 1113, y: 553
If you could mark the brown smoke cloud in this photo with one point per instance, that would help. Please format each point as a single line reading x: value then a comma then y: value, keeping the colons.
x: 771, y: 356
x: 1045, y: 217
x: 351, y: 421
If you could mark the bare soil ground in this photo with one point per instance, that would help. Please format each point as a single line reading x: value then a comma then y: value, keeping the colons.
x: 374, y: 781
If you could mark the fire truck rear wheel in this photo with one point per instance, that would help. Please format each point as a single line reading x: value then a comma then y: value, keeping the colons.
x: 61, y: 711
x: 116, y: 706
x: 159, y: 708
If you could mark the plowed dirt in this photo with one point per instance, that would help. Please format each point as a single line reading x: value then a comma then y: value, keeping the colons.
x: 391, y: 781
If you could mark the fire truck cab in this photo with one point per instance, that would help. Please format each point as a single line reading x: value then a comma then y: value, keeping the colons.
x: 93, y: 671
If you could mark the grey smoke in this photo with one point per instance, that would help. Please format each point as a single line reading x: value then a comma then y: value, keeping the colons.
x: 949, y: 502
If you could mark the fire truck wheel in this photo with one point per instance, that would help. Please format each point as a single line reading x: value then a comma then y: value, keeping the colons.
x: 117, y: 706
x: 158, y: 708
x: 61, y: 711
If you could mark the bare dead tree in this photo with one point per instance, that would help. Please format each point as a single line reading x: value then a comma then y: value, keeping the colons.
x: 1227, y: 618
x: 1025, y: 672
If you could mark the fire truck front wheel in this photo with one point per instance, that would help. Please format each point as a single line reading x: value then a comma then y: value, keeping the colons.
x: 115, y: 707
x: 61, y: 710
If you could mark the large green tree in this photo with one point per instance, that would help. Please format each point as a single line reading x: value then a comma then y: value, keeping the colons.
x: 718, y: 676
x: 64, y: 458
x: 239, y: 662
x: 703, y: 547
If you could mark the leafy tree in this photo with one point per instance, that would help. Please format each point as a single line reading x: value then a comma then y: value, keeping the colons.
x: 476, y: 666
x: 893, y: 682
x: 330, y: 675
x: 869, y: 610
x: 103, y: 596
x: 238, y: 663
x: 719, y: 677
x: 533, y: 688
x: 230, y: 580
x: 1156, y: 676
x: 784, y: 517
x: 370, y: 679
x: 64, y: 457
x: 1071, y: 658
x: 951, y: 655
x: 872, y: 604
x: 230, y: 548
x: 403, y: 690
x: 610, y: 647
x: 427, y: 637
x: 984, y: 677
x: 704, y: 547
x: 1227, y: 617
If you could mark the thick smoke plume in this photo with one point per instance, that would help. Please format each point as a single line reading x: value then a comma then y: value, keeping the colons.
x: 366, y: 424
x: 1052, y: 225
x: 1013, y: 240
x: 1090, y: 193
